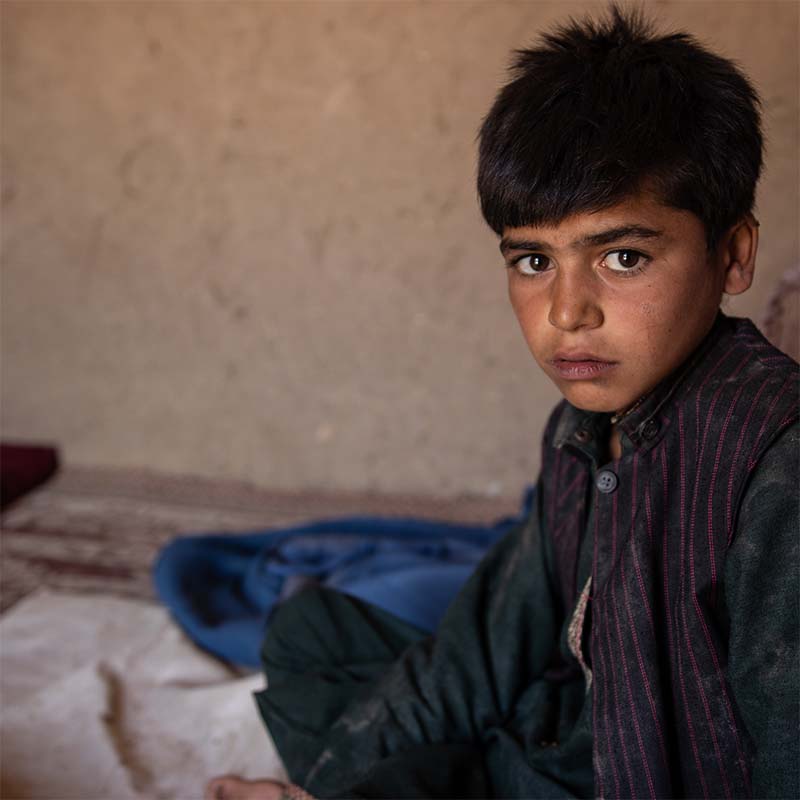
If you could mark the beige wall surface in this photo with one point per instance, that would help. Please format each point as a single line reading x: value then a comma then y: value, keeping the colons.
x: 241, y: 239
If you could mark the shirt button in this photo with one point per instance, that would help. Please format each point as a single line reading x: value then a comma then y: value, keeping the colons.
x: 650, y: 429
x: 582, y: 436
x: 606, y: 481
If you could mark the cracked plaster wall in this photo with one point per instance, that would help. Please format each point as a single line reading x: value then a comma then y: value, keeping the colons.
x: 242, y: 240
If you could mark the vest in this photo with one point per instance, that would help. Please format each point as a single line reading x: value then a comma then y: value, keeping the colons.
x: 665, y: 722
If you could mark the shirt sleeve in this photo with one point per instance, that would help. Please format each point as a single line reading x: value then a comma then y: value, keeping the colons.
x: 762, y: 594
x: 445, y: 706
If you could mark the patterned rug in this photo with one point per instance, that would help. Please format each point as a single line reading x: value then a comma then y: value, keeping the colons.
x: 98, y: 530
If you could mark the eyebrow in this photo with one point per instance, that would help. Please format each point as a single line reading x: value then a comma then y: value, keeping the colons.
x: 592, y: 240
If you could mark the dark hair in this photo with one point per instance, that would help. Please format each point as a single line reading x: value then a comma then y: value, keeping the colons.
x: 602, y: 110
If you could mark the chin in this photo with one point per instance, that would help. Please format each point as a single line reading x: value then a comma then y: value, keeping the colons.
x: 602, y: 408
x: 587, y: 399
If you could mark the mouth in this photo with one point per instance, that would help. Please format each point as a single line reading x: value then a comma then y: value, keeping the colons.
x: 580, y: 366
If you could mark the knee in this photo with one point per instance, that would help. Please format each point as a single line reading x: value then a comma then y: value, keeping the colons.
x: 302, y: 630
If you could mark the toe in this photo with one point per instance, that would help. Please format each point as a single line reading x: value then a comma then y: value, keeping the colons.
x: 224, y: 787
x: 230, y: 787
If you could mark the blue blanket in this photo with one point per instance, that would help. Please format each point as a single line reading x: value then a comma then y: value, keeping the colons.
x: 222, y: 588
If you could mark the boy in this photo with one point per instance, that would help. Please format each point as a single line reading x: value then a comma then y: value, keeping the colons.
x: 637, y: 636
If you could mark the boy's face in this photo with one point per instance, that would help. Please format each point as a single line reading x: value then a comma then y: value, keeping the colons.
x: 611, y: 302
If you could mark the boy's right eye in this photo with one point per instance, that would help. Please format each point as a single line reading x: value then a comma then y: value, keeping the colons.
x: 531, y: 264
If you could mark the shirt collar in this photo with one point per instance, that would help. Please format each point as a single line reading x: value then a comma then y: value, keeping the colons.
x: 646, y: 424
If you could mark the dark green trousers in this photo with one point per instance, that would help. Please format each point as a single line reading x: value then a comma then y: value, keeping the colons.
x: 324, y: 650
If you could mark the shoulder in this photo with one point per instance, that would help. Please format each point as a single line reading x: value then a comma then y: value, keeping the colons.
x: 759, y: 355
x: 775, y: 477
x: 743, y: 387
x: 768, y: 513
x: 764, y: 540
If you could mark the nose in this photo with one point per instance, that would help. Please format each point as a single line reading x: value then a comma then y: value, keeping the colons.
x: 574, y: 303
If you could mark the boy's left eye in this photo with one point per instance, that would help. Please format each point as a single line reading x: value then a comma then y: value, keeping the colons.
x: 623, y: 260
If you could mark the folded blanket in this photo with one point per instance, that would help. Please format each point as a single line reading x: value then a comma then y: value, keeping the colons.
x: 105, y: 699
x: 222, y: 588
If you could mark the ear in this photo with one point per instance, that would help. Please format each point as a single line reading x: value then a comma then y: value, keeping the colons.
x: 737, y: 252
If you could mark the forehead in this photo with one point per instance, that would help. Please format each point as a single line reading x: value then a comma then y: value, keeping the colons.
x: 641, y: 217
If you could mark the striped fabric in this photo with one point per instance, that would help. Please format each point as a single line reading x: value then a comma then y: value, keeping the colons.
x: 665, y: 724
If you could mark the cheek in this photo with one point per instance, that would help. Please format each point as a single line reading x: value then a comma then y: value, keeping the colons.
x: 643, y: 327
x: 522, y: 302
x: 658, y: 308
x: 648, y: 310
x: 528, y: 309
x: 650, y: 317
x: 663, y: 327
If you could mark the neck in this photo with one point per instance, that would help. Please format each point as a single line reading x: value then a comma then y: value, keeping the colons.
x: 615, y: 444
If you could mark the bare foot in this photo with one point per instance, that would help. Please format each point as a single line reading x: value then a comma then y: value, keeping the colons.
x: 229, y: 787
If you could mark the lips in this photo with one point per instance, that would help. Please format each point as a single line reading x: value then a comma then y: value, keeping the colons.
x: 575, y: 365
